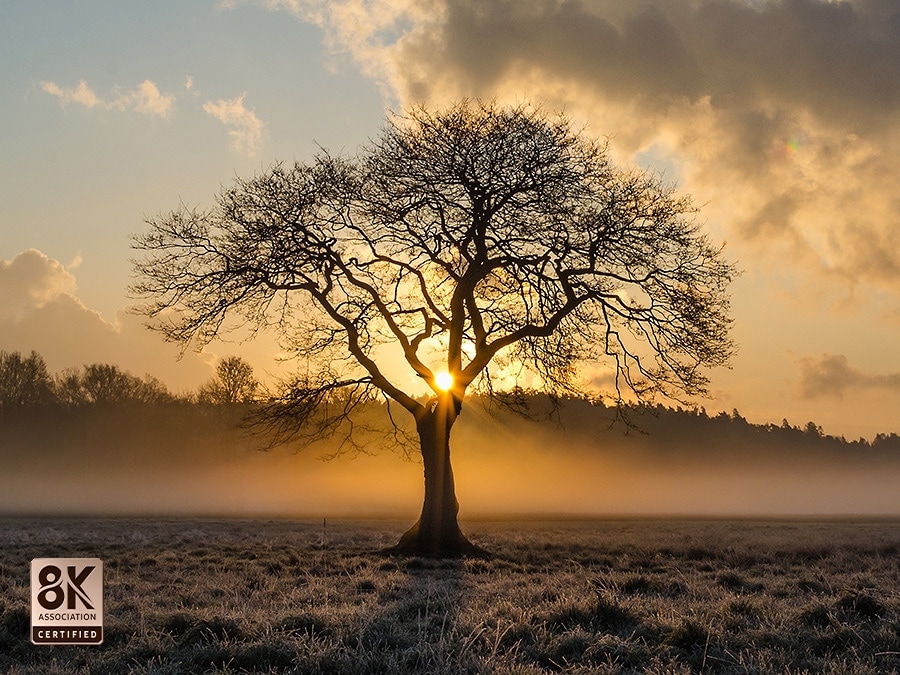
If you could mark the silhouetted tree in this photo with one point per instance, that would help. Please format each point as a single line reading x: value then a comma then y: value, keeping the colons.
x: 150, y: 389
x: 487, y: 247
x: 106, y: 384
x: 890, y: 442
x: 813, y: 429
x: 67, y: 386
x: 24, y: 381
x: 234, y: 383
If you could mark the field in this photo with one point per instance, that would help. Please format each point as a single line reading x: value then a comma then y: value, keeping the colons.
x: 600, y: 596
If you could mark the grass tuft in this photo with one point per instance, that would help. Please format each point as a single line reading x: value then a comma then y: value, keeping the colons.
x: 640, y: 584
x: 862, y: 605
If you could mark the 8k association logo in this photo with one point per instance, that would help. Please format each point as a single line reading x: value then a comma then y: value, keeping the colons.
x: 67, y: 601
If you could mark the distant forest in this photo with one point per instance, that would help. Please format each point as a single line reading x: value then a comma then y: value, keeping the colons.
x: 26, y: 383
x: 30, y: 394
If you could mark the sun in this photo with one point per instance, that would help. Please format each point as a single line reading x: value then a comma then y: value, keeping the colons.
x: 443, y: 380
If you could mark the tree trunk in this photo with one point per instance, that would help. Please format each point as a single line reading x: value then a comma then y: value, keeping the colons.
x: 437, y: 533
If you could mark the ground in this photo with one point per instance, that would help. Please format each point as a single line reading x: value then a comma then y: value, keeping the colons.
x: 600, y: 596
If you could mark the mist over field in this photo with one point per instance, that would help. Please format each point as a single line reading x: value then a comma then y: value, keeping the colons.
x: 194, y: 460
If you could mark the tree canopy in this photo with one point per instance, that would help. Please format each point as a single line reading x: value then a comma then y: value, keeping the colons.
x: 24, y: 381
x: 492, y: 236
x: 234, y: 383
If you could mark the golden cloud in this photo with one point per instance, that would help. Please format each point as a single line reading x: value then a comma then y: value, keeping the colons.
x: 782, y: 117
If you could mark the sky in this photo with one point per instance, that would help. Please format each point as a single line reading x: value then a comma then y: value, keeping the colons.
x: 780, y: 118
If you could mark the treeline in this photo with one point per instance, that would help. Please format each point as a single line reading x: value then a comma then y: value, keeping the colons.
x: 692, y: 430
x: 807, y: 433
x: 26, y: 383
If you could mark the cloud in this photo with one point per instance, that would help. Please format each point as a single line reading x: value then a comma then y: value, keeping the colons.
x: 783, y: 115
x: 81, y: 94
x: 245, y: 128
x: 31, y: 280
x: 39, y: 310
x: 831, y: 375
x: 145, y: 98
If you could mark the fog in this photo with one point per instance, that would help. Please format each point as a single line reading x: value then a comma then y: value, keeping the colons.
x: 154, y: 462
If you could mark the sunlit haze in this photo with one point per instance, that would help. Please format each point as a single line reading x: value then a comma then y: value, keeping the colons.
x: 779, y: 118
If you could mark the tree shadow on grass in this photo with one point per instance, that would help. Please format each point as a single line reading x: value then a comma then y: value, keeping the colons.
x: 416, y: 623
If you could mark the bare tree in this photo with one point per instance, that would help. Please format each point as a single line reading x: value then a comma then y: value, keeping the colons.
x: 24, y: 381
x: 234, y: 383
x: 488, y: 247
x: 105, y: 384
